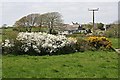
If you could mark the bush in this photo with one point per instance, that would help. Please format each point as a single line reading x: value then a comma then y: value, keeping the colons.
x: 41, y: 43
x: 9, y: 34
x: 81, y: 45
x: 7, y: 46
x: 37, y: 43
x: 99, y: 43
x: 113, y: 31
x: 76, y: 35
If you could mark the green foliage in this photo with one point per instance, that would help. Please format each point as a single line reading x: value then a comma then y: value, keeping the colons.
x: 54, y: 32
x: 9, y: 34
x: 82, y: 45
x: 100, y: 26
x: 34, y: 29
x: 89, y: 26
x: 112, y: 32
x: 76, y: 35
x: 19, y: 29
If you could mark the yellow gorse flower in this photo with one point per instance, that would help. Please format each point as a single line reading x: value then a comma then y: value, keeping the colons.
x: 99, y: 42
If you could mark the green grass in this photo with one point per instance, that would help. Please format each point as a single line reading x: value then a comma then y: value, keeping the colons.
x: 99, y: 64
x: 114, y: 42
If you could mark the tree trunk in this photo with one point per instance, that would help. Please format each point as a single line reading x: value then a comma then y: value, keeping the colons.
x: 30, y: 29
x: 51, y: 27
x: 50, y: 31
x: 26, y: 29
x: 40, y: 27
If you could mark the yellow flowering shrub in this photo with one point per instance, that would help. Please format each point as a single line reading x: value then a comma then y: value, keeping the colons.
x: 99, y: 42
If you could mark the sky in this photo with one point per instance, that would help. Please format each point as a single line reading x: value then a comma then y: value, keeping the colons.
x: 71, y: 11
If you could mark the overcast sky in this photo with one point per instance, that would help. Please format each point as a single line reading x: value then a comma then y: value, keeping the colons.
x: 71, y: 11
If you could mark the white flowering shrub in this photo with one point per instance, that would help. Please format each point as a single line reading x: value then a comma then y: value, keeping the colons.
x: 7, y: 43
x: 43, y: 43
x: 7, y: 46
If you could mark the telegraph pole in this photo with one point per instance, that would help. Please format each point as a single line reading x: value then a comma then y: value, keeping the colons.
x: 93, y: 10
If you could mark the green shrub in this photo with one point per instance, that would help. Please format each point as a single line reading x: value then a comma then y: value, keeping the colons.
x: 81, y: 45
x: 11, y: 35
x: 112, y: 32
x: 76, y: 35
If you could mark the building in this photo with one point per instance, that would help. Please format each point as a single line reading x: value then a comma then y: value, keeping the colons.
x: 74, y: 28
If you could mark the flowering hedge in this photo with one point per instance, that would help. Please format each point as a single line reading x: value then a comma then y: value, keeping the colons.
x: 41, y: 43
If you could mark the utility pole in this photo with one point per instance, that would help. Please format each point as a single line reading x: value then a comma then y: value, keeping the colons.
x: 93, y: 10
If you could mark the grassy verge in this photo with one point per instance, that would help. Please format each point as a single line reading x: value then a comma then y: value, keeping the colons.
x: 78, y: 65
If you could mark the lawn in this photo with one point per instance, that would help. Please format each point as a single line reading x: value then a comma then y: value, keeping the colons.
x: 98, y: 64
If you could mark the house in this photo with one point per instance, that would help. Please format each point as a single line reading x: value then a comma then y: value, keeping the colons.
x: 74, y: 28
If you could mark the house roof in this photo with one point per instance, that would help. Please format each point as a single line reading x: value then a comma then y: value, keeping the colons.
x: 71, y: 27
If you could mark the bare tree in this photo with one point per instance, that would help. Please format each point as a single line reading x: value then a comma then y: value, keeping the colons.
x: 41, y: 21
x: 27, y: 21
x: 31, y: 20
x: 53, y: 20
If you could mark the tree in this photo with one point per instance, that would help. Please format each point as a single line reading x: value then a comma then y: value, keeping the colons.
x: 31, y: 20
x: 28, y: 22
x: 4, y: 25
x: 113, y: 31
x: 53, y: 20
x: 100, y: 26
x: 41, y: 21
x: 89, y: 26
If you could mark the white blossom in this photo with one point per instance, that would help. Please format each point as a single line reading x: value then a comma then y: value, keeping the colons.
x: 7, y: 44
x: 37, y: 41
